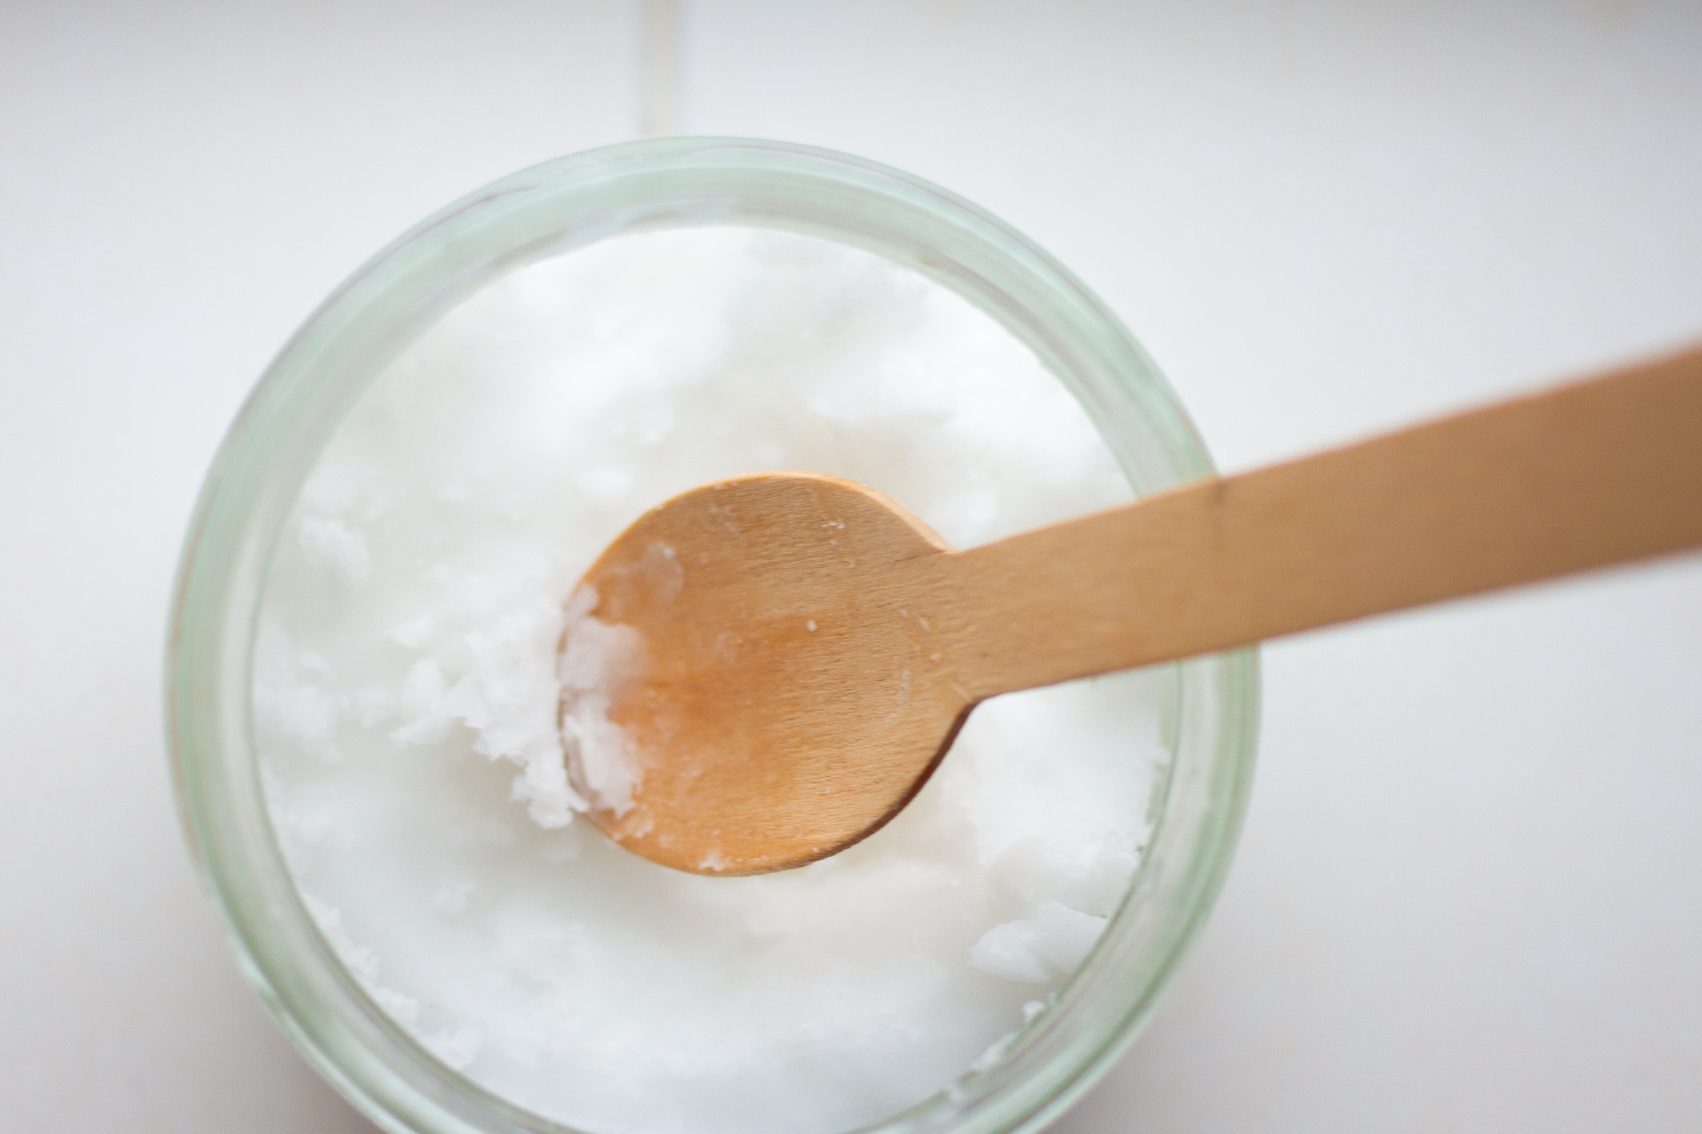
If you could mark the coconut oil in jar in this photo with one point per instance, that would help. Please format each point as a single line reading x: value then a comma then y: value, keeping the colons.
x: 406, y: 685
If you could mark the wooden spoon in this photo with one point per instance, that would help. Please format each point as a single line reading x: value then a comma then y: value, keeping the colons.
x: 812, y: 648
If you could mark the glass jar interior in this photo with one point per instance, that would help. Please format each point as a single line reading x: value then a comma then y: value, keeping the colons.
x: 311, y: 386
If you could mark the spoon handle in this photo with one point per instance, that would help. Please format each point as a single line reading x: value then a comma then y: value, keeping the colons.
x: 1597, y: 472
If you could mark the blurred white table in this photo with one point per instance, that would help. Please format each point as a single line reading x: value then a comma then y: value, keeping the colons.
x: 1467, y: 896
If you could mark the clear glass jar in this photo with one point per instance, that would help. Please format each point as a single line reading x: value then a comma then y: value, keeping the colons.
x: 1196, y: 808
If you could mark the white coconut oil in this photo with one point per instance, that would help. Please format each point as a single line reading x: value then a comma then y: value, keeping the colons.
x: 407, y: 688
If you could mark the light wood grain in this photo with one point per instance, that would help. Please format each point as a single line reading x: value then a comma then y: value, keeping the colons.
x: 820, y: 648
x: 1583, y: 476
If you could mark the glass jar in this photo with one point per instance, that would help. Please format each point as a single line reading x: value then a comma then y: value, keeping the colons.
x: 1196, y: 807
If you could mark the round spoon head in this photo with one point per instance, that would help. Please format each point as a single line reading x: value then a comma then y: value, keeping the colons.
x: 762, y: 650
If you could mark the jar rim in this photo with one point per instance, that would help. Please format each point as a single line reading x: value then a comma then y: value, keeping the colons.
x: 566, y: 203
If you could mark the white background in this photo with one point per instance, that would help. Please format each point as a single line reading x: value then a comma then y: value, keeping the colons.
x: 1468, y: 895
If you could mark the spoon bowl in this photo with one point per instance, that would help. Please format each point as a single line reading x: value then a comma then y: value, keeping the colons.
x: 784, y: 703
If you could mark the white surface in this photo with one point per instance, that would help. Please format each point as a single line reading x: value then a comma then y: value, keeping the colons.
x: 1466, y: 897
